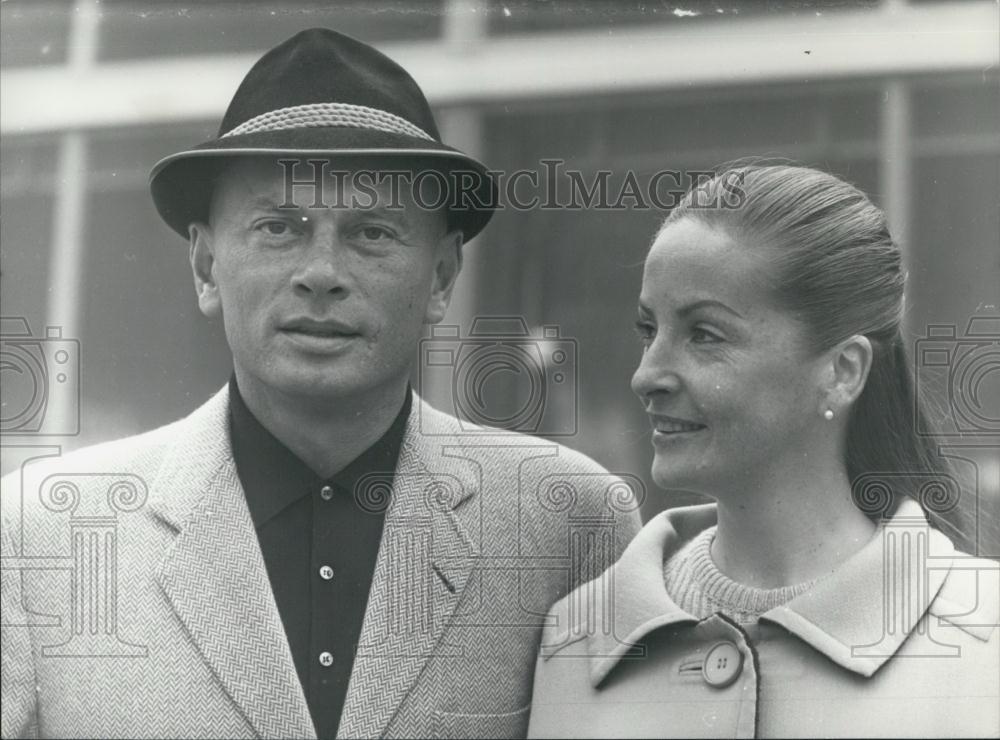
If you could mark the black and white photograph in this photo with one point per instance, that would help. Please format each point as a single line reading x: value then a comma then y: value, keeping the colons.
x: 500, y: 368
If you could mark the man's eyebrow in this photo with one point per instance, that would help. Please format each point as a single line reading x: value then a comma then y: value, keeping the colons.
x: 269, y: 203
x: 397, y: 216
x: 379, y: 205
x: 707, y: 303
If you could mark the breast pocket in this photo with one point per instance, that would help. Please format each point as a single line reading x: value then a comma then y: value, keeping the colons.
x: 509, y: 724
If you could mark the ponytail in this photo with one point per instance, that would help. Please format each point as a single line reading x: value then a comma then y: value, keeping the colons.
x: 891, y: 450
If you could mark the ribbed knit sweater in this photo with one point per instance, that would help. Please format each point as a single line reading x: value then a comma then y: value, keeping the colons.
x: 697, y: 586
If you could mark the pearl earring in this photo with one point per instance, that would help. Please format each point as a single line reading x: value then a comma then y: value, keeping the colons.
x: 828, y: 414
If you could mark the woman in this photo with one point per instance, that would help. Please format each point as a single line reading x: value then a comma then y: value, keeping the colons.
x: 813, y: 598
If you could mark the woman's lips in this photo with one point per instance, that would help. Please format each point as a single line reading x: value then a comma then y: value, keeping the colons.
x: 671, y: 427
x: 668, y: 427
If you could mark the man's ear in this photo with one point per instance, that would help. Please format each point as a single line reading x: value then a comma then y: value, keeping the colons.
x: 850, y: 362
x: 202, y: 258
x: 447, y: 264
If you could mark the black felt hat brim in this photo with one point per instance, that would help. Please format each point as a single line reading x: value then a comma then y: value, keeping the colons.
x: 182, y: 183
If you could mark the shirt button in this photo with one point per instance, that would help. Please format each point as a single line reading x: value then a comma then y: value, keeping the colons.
x: 722, y: 665
x: 326, y: 493
x: 325, y: 659
x: 325, y: 572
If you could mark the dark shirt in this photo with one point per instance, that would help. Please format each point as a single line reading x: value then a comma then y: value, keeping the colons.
x: 319, y: 544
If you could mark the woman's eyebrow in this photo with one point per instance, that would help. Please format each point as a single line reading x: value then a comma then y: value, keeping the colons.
x: 707, y: 303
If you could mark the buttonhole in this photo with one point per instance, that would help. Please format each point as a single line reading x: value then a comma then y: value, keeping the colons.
x: 691, y: 666
x: 444, y: 579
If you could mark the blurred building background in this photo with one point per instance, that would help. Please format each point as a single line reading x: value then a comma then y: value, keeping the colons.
x: 901, y: 98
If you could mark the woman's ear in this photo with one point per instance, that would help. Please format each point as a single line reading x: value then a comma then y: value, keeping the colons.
x: 850, y: 363
x: 202, y: 259
x: 447, y: 263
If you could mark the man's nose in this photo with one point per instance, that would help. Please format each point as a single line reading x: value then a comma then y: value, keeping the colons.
x: 323, y: 267
x: 657, y: 372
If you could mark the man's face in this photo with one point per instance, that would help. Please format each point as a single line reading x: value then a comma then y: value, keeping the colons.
x: 320, y: 304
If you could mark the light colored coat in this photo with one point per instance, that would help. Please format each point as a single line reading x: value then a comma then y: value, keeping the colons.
x: 900, y: 641
x: 136, y: 602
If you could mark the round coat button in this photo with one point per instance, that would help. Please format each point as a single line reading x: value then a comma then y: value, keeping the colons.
x: 325, y: 659
x: 325, y: 572
x: 326, y: 493
x: 722, y: 665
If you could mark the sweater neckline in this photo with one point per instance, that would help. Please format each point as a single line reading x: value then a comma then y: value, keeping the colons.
x: 718, y: 591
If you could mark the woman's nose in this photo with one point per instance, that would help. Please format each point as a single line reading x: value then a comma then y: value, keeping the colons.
x: 656, y: 372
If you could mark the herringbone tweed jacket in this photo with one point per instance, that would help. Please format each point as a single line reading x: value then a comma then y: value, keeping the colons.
x: 136, y: 602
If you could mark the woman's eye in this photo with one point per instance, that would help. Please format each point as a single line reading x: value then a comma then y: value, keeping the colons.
x: 704, y: 336
x: 645, y: 331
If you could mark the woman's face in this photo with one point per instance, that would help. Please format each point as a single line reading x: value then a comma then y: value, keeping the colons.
x: 732, y: 394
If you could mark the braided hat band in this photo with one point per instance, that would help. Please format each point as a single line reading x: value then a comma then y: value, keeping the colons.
x: 326, y: 94
x: 319, y: 115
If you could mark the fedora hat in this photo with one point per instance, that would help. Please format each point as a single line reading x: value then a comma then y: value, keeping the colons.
x: 325, y: 94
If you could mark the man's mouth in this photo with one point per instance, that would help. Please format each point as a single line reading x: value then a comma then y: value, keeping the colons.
x: 323, y: 336
x: 321, y: 332
x: 324, y: 329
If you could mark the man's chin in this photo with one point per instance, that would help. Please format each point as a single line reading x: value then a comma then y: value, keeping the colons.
x: 329, y: 386
x: 331, y: 382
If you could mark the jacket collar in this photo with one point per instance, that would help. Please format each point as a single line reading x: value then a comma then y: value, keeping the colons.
x: 234, y: 621
x: 858, y: 616
x: 634, y: 586
x: 199, y: 452
x: 213, y: 575
x: 425, y: 560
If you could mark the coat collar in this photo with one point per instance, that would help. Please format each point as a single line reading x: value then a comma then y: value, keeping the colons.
x: 215, y: 578
x: 424, y: 562
x: 214, y: 575
x: 842, y: 616
x: 634, y: 586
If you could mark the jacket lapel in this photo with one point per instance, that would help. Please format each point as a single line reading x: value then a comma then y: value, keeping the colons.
x: 215, y: 578
x: 634, y: 587
x: 424, y: 563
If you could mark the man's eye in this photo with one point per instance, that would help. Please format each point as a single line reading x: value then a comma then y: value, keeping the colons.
x: 375, y: 233
x: 275, y: 228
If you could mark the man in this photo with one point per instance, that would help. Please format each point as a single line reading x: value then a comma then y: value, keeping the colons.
x: 314, y: 551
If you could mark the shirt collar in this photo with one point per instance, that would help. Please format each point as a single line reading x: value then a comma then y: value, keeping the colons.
x: 273, y: 477
x: 844, y: 615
